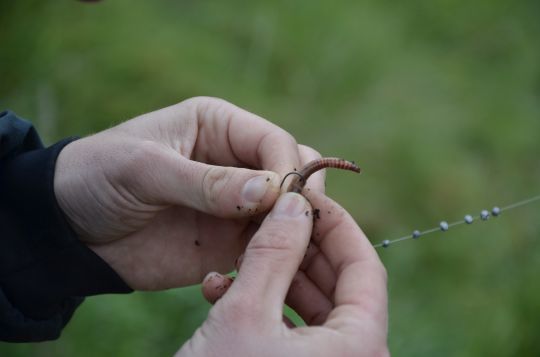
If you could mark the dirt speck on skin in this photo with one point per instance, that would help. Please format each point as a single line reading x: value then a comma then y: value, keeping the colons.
x: 316, y: 214
x: 329, y: 212
x: 197, y: 243
x: 238, y: 208
x: 307, y: 213
x: 267, y: 179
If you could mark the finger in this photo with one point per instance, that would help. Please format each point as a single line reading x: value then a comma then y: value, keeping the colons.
x: 272, y: 258
x: 214, y: 286
x: 311, y: 291
x: 308, y: 300
x: 361, y: 277
x: 318, y: 269
x: 220, y: 191
x: 214, y: 131
x: 229, y: 135
x: 316, y: 180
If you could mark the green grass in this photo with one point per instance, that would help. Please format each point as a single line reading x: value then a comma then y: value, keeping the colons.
x: 439, y: 102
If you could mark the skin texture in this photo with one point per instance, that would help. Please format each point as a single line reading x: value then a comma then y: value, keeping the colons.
x: 339, y: 289
x: 159, y: 197
x: 169, y: 196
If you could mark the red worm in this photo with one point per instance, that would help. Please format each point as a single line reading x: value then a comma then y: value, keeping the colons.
x: 298, y: 182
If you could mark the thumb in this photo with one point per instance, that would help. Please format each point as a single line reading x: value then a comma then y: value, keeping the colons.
x: 273, y: 256
x: 217, y: 190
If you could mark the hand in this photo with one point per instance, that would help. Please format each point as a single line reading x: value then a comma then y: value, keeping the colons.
x: 340, y: 290
x: 163, y: 199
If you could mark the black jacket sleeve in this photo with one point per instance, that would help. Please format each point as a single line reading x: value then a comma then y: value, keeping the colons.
x: 45, y: 271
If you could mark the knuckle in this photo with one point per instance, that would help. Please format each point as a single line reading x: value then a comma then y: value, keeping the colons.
x: 281, y: 137
x: 214, y: 185
x: 278, y: 137
x: 208, y: 106
x: 288, y: 138
x: 200, y: 100
x: 208, y: 100
x: 276, y: 239
x: 310, y: 152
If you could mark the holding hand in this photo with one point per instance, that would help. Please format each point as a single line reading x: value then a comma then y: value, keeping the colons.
x: 163, y: 199
x: 338, y: 288
x: 169, y: 196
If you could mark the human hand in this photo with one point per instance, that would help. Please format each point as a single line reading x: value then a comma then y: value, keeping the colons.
x: 164, y: 198
x: 338, y: 288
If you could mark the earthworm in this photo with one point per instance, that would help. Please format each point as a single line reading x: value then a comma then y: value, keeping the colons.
x: 298, y: 182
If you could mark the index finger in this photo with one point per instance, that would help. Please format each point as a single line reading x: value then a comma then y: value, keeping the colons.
x: 229, y: 135
x: 361, y: 278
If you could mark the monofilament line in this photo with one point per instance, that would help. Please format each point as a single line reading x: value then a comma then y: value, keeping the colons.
x: 469, y: 219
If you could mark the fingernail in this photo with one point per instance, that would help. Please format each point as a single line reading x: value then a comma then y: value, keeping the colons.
x: 212, y: 276
x: 289, y: 205
x: 255, y: 188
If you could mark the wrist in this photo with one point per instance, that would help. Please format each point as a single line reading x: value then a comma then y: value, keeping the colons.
x: 64, y: 175
x: 55, y: 266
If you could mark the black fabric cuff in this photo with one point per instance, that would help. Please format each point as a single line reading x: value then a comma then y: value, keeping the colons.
x: 44, y: 269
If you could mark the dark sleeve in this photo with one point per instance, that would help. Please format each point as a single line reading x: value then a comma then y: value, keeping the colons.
x: 45, y: 271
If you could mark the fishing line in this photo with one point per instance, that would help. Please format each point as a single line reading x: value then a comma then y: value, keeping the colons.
x: 467, y: 219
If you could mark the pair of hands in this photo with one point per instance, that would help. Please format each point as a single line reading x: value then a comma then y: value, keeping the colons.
x: 174, y: 202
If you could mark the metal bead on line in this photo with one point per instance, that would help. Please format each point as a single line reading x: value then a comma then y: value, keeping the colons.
x: 467, y: 219
x: 484, y: 215
x: 444, y: 226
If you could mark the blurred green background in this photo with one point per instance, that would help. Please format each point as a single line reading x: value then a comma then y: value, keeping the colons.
x: 438, y: 101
